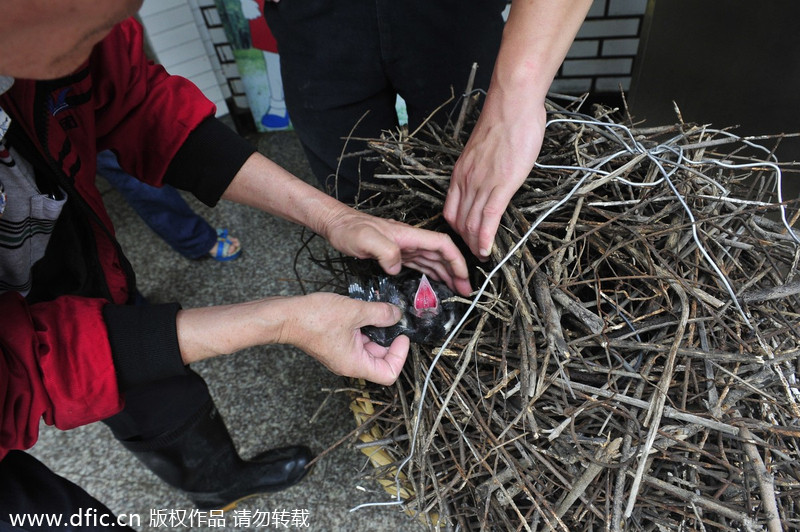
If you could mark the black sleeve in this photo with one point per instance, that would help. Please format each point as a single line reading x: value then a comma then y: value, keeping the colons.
x: 208, y: 160
x: 144, y: 342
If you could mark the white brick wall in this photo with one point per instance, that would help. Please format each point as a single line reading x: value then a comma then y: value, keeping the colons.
x: 600, y: 59
x: 209, y: 22
x: 205, y: 13
x: 176, y: 40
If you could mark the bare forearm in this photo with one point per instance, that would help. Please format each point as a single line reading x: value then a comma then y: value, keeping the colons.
x: 262, y: 184
x: 506, y: 140
x: 536, y: 39
x: 326, y: 326
x: 222, y: 330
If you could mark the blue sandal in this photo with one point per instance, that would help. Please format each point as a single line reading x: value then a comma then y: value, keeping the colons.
x: 222, y: 250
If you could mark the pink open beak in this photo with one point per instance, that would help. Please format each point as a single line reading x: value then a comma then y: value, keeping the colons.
x: 425, y: 300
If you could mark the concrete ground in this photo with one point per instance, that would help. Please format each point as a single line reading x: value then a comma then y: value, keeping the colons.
x: 269, y: 396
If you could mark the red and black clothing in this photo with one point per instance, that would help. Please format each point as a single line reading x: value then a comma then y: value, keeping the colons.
x: 76, y: 343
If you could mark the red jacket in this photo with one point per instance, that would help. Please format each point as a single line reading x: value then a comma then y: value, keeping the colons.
x: 65, y: 357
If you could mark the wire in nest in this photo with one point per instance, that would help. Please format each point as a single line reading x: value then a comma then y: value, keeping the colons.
x: 660, y: 156
x: 458, y: 326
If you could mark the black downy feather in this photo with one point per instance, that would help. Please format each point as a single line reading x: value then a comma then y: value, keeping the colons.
x: 428, y: 315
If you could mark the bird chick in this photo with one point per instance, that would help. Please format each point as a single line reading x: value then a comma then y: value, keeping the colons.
x: 427, y: 318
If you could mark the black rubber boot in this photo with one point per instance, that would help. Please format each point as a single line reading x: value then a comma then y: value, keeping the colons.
x: 200, y: 459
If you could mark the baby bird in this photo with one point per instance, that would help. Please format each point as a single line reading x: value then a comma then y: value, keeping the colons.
x: 427, y: 316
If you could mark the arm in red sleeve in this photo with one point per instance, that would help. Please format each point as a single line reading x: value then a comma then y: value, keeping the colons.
x: 142, y: 112
x: 163, y: 129
x: 56, y: 364
x: 68, y: 361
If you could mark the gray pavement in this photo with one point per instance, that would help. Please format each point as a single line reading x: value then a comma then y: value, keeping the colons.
x: 269, y: 396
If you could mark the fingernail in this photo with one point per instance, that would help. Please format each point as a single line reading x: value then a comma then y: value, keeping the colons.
x: 485, y: 252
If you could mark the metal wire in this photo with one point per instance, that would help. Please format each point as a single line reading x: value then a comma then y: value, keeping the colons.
x: 668, y: 157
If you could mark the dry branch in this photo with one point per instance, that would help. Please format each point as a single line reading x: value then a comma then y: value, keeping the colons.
x: 631, y: 360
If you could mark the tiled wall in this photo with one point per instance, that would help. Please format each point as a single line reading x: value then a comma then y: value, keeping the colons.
x: 601, y: 58
x: 187, y: 37
x: 175, y: 38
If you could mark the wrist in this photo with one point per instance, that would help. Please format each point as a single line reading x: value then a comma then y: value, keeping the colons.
x: 327, y: 225
x: 222, y: 330
x: 281, y: 318
x: 519, y: 86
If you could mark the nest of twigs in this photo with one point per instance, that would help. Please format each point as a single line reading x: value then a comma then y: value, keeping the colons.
x: 630, y: 360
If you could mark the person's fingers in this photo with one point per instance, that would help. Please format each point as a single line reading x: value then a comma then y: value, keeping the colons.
x: 434, y: 252
x: 395, y: 244
x: 491, y: 216
x: 386, y: 363
x: 396, y: 356
x: 454, y: 261
x: 452, y: 203
x: 472, y: 225
x: 438, y: 272
x: 384, y: 250
x: 464, y: 208
x: 463, y: 219
x: 378, y: 314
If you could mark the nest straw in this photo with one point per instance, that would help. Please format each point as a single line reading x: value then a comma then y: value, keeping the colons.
x: 630, y: 360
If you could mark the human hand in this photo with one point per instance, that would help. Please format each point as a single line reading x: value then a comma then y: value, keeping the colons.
x: 250, y: 9
x: 263, y: 184
x: 394, y: 244
x: 497, y: 159
x: 328, y: 327
x: 324, y: 325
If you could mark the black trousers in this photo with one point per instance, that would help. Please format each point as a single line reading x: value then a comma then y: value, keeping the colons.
x: 344, y: 63
x: 28, y: 487
x: 31, y: 491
